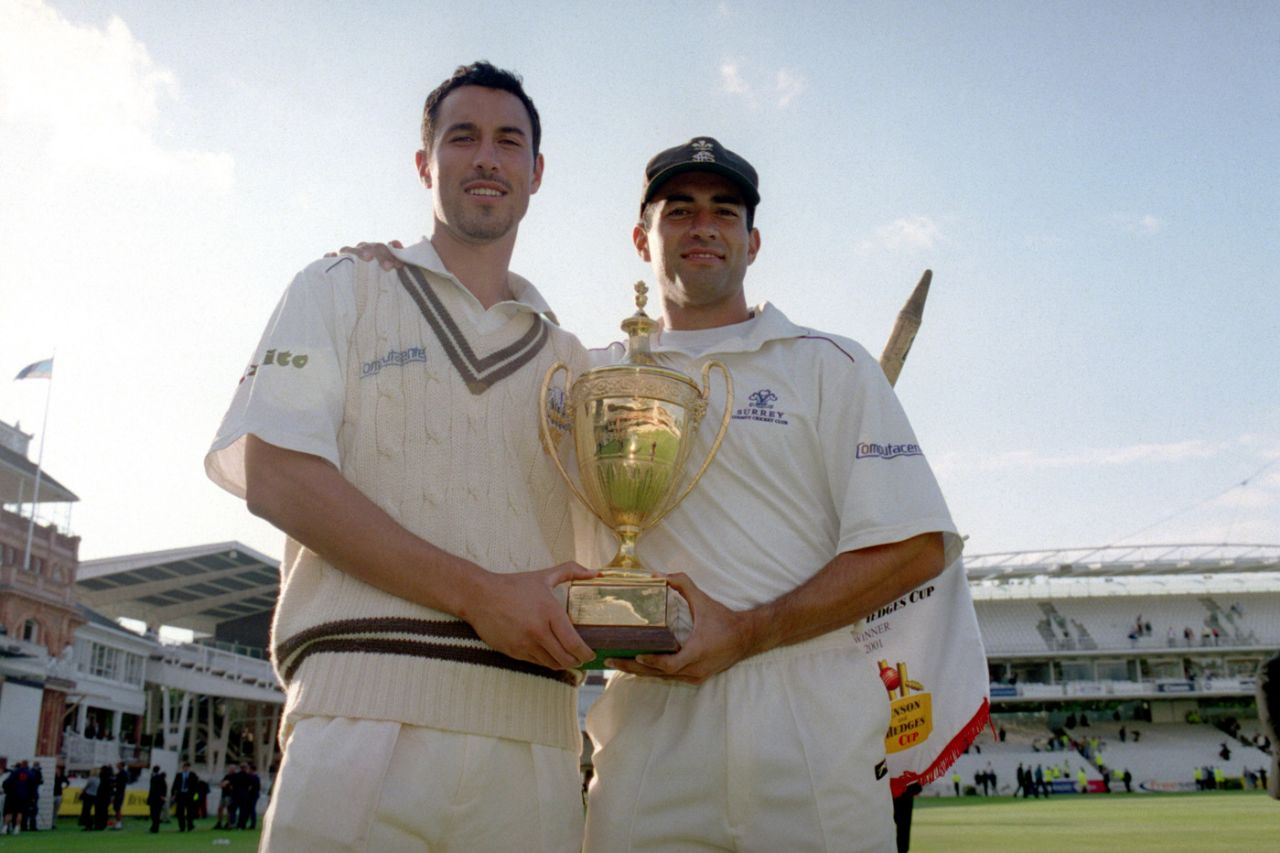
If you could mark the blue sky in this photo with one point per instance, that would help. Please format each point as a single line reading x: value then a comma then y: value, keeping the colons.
x: 1095, y: 186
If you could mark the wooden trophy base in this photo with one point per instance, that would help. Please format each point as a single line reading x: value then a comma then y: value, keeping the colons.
x: 623, y: 618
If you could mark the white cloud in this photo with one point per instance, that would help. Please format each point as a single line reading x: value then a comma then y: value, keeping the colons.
x: 80, y: 100
x: 1093, y: 457
x: 1145, y: 225
x: 731, y: 82
x: 788, y: 84
x: 1233, y: 529
x: 1169, y: 452
x: 1172, y: 492
x: 1248, y: 497
x: 907, y: 234
x: 1103, y: 457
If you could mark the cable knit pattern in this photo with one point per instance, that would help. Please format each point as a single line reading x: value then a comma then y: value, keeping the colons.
x: 456, y: 460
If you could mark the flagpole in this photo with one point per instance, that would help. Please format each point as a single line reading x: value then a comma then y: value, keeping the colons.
x: 35, y: 496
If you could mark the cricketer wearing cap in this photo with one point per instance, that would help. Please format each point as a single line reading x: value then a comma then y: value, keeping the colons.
x: 765, y: 732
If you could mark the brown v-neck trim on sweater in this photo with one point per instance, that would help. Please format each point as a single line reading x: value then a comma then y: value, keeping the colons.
x: 479, y: 373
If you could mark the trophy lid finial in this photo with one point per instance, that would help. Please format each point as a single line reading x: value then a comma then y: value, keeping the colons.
x: 639, y: 326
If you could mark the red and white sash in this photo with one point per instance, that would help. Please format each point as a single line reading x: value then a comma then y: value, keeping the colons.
x: 931, y: 660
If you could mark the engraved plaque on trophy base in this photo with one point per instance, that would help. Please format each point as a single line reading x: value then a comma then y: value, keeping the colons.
x: 623, y: 618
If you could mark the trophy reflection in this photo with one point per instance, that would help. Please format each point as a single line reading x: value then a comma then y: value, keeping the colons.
x: 632, y: 426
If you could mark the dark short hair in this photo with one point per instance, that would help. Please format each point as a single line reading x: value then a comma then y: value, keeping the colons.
x: 483, y: 74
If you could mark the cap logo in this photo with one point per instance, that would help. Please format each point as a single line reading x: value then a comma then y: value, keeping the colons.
x: 702, y: 152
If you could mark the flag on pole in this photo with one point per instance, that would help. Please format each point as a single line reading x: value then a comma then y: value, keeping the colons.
x: 37, y: 370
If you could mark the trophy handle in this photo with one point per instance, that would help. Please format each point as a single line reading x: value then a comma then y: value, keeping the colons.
x: 544, y: 431
x: 715, y: 445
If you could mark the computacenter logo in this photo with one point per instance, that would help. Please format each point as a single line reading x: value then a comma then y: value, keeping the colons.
x: 393, y: 358
x: 869, y: 449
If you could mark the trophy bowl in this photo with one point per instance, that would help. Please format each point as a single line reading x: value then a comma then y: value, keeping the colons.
x: 631, y: 429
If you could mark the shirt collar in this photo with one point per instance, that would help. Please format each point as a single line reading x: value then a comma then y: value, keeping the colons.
x: 767, y: 324
x: 423, y: 254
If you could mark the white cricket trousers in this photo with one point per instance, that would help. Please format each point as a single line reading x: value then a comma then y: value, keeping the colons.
x: 369, y: 785
x: 782, y: 752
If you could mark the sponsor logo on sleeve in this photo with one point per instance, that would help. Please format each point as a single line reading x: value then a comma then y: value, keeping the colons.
x: 875, y: 450
x: 276, y: 358
x: 760, y: 408
x: 393, y: 358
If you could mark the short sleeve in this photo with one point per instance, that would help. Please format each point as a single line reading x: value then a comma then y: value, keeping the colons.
x: 292, y: 393
x: 881, y: 483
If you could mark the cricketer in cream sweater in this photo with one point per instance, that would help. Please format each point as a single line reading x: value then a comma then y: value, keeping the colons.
x: 388, y: 425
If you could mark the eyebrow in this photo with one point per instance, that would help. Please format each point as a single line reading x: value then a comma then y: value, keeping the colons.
x: 723, y: 198
x: 472, y: 127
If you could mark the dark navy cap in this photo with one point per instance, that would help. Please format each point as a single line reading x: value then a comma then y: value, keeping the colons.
x: 701, y: 154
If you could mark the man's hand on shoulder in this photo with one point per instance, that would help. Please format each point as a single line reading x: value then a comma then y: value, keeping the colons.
x: 721, y: 637
x: 380, y: 252
x: 520, y: 615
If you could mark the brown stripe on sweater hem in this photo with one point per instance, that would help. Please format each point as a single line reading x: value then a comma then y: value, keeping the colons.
x: 431, y: 651
x: 451, y: 629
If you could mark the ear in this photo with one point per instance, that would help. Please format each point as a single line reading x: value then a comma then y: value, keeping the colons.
x: 422, y: 162
x: 753, y: 246
x: 640, y: 238
x: 537, y: 174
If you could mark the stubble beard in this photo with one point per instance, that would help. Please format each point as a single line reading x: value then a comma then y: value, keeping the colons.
x: 698, y: 291
x: 480, y: 226
x: 476, y: 222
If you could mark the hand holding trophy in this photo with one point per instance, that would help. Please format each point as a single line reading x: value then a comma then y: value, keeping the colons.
x: 632, y: 426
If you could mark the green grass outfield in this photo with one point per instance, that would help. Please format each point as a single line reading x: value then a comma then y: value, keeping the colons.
x: 68, y: 838
x: 1228, y: 822
x: 1221, y: 822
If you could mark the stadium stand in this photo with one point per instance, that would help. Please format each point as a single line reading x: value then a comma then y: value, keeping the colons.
x: 1164, y: 641
x: 1163, y: 759
x: 1009, y: 627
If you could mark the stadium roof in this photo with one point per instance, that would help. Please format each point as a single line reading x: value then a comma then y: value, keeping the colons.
x: 195, y: 588
x: 200, y: 587
x: 17, y: 481
x: 1125, y: 560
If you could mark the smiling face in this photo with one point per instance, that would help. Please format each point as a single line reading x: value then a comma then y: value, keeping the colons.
x: 481, y: 168
x: 695, y: 235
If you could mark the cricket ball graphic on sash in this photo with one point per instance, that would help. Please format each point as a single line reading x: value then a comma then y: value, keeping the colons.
x: 632, y: 426
x: 910, y: 707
